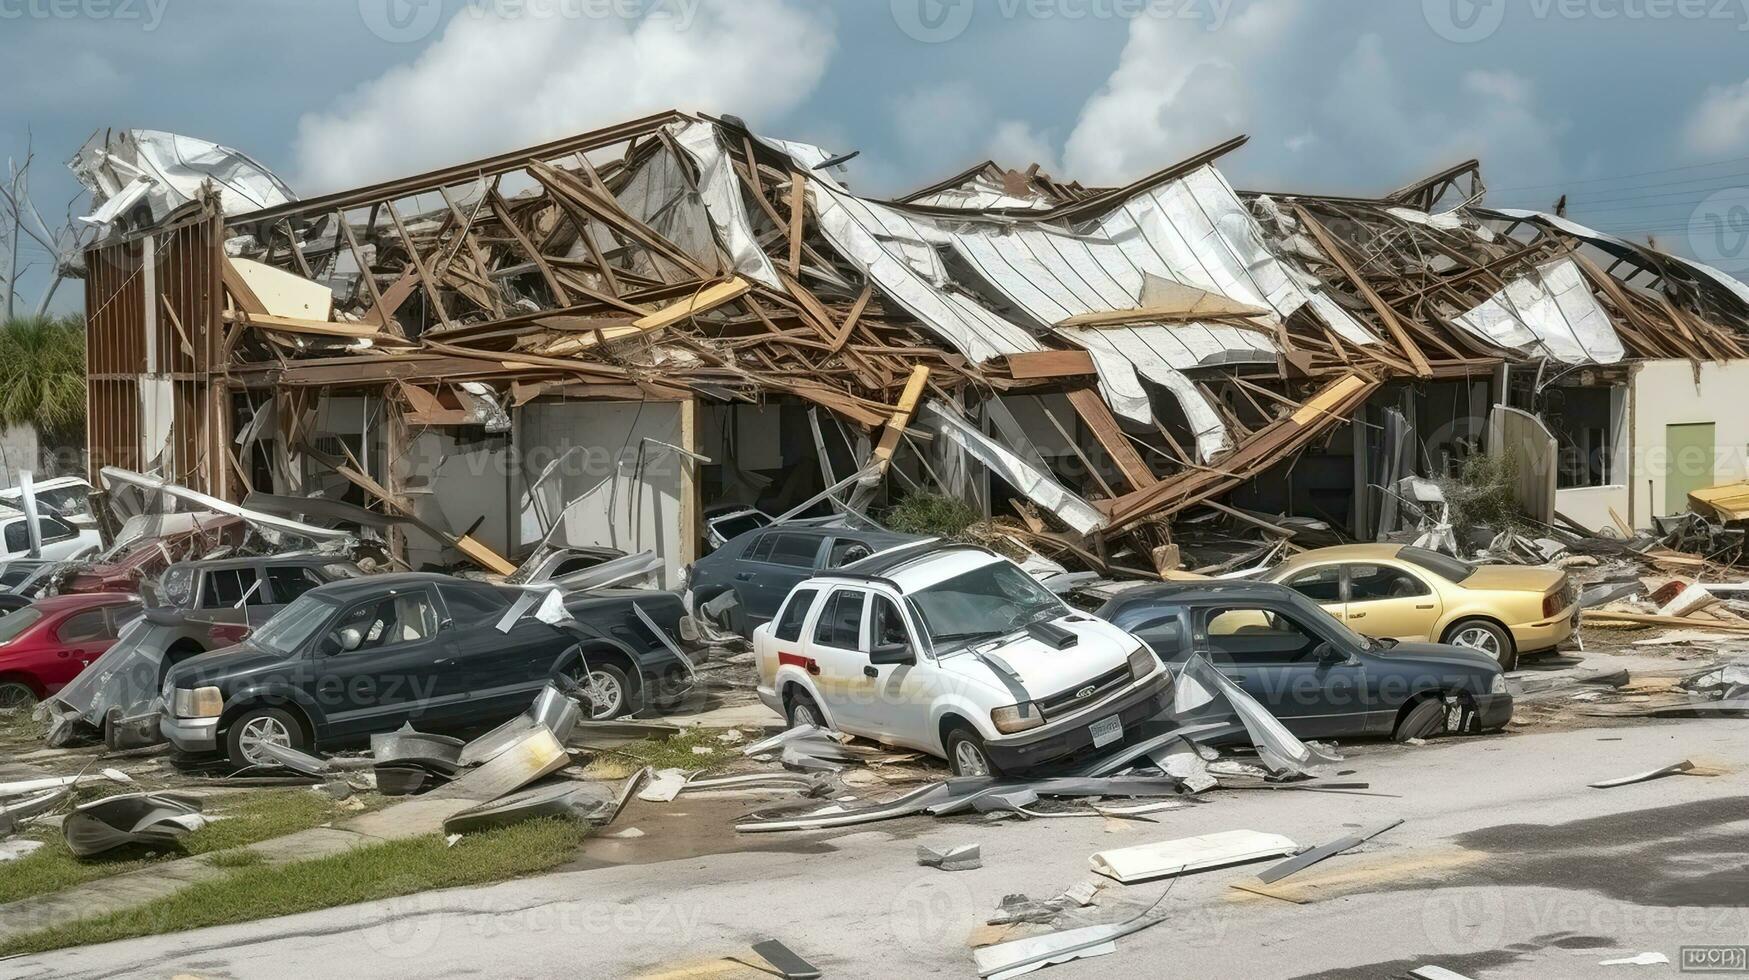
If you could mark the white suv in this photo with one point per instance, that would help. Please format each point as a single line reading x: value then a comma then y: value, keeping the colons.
x: 955, y: 651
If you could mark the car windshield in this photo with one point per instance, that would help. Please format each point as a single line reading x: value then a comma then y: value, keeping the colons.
x: 15, y: 624
x: 983, y: 603
x: 1444, y: 566
x: 291, y: 626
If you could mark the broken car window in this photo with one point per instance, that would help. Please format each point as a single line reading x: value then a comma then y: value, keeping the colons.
x: 84, y: 627
x: 289, y: 583
x: 984, y: 603
x: 382, y: 623
x: 1318, y: 584
x: 225, y: 587
x: 797, y: 550
x: 840, y: 624
x: 1252, y: 635
x: 845, y: 551
x: 472, y: 605
x: 795, y: 612
x: 292, y: 626
x: 1368, y: 583
x: 889, y: 625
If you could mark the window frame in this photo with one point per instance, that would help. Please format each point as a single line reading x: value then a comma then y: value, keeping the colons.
x: 826, y: 614
x: 439, y: 618
x: 1348, y: 581
x: 794, y: 598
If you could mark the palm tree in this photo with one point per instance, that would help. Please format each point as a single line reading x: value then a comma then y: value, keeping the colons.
x: 42, y: 378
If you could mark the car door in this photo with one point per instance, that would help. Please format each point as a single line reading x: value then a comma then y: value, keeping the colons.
x: 903, y: 694
x: 81, y: 638
x: 401, y: 669
x: 499, y: 672
x: 15, y: 537
x: 836, y: 646
x: 774, y: 565
x: 1389, y: 602
x: 1276, y: 659
x: 225, y: 594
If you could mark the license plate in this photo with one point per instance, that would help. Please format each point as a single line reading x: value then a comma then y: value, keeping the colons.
x: 1106, y: 731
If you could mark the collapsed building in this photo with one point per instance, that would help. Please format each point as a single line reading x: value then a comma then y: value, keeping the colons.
x: 609, y: 338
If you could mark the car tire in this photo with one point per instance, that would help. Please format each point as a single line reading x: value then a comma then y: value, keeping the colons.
x: 1489, y: 637
x: 17, y: 696
x: 617, y: 699
x: 273, y: 724
x: 803, y: 711
x: 966, y: 755
x: 1426, y: 717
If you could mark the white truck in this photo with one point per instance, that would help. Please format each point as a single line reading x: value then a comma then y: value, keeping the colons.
x: 955, y: 651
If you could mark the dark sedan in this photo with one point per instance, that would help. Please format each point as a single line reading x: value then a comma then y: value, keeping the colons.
x: 1317, y: 676
x: 751, y: 574
x: 355, y: 658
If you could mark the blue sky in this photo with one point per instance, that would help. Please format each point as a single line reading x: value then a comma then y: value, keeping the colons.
x: 1638, y: 108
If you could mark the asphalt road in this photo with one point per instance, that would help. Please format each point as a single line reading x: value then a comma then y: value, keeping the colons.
x: 1507, y: 865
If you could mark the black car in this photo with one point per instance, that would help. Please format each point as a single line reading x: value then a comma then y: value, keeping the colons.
x: 364, y: 656
x: 1317, y: 676
x: 752, y: 573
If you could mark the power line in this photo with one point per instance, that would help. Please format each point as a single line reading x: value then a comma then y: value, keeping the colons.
x: 1643, y: 173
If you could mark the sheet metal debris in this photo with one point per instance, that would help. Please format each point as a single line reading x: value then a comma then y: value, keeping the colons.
x: 965, y: 857
x: 1145, y: 862
x: 151, y: 819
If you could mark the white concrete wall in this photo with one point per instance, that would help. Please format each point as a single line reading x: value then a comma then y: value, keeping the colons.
x: 616, y: 508
x: 1666, y: 392
x: 469, y: 479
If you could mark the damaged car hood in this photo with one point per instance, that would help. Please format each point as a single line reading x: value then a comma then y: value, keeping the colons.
x: 1438, y: 655
x: 1044, y: 669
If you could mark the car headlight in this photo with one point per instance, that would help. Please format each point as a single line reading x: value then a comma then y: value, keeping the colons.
x: 1142, y: 662
x: 1497, y: 685
x: 199, y: 702
x: 1017, y: 718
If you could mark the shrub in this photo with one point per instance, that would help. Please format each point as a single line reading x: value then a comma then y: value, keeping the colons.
x: 933, y: 515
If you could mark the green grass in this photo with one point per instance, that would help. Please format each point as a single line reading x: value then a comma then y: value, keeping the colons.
x: 677, y: 752
x: 235, y: 859
x: 365, y: 874
x: 251, y: 817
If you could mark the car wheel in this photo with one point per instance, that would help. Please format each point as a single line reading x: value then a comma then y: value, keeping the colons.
x: 803, y: 712
x: 610, y: 694
x: 966, y: 755
x: 1426, y: 718
x: 257, y: 725
x: 16, y: 696
x: 1490, y: 638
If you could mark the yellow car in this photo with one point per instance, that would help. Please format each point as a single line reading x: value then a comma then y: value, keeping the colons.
x: 1400, y: 592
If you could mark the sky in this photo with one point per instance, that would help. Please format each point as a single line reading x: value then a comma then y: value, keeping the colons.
x: 1638, y: 110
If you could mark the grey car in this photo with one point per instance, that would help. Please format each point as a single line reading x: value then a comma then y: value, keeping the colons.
x: 758, y: 568
x: 1321, y: 679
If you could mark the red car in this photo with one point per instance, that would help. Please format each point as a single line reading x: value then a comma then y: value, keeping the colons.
x: 47, y: 643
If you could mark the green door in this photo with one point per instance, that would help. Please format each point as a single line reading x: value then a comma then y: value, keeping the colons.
x: 1689, y: 465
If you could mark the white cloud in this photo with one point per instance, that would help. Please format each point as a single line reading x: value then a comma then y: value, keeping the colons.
x: 490, y: 84
x: 1720, y: 123
x: 1177, y: 89
x: 1016, y: 144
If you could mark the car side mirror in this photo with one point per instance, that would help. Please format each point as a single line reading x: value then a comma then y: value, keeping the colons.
x: 892, y: 654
